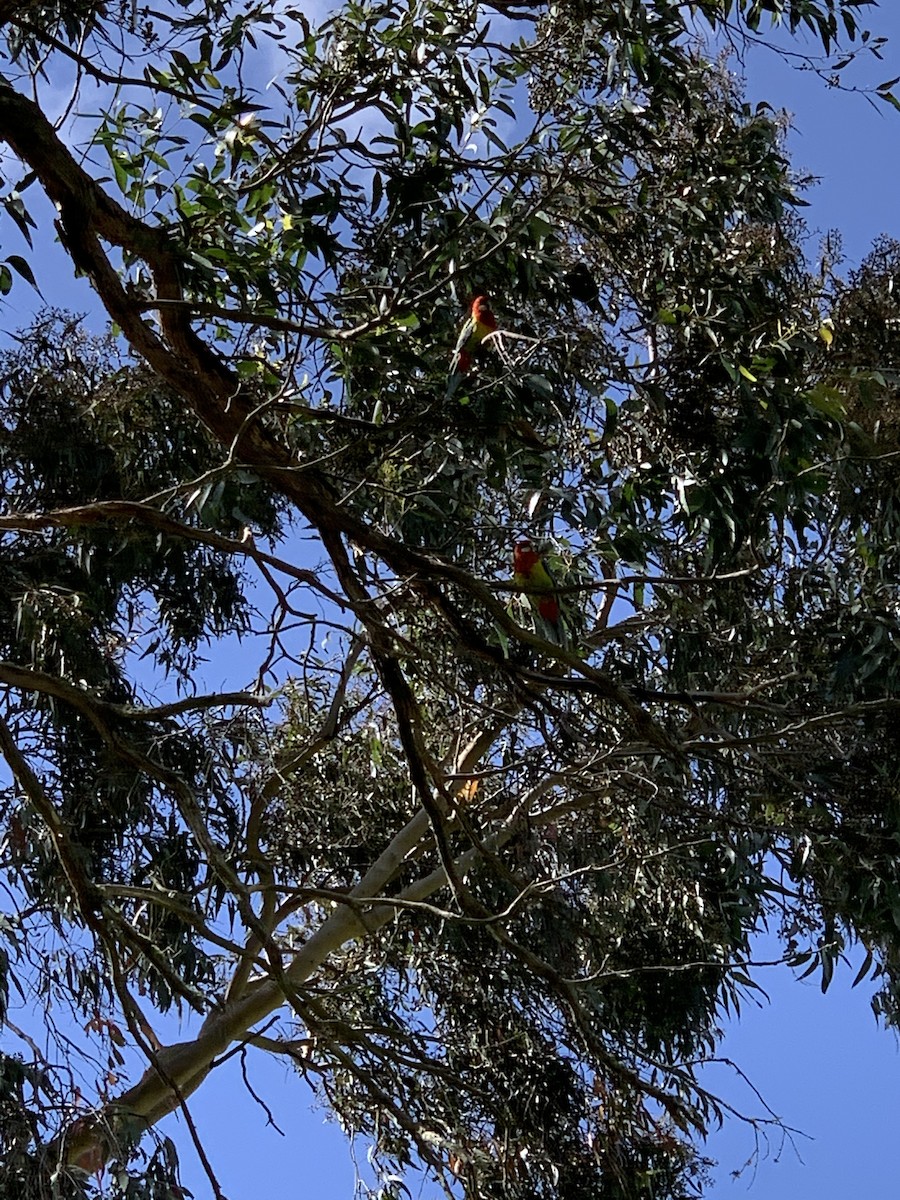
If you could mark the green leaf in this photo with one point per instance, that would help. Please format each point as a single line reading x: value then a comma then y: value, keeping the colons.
x: 21, y: 267
x: 864, y: 969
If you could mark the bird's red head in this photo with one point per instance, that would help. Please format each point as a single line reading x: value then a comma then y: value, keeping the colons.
x: 481, y: 311
x: 524, y: 556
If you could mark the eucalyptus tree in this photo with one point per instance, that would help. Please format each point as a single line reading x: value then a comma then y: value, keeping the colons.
x: 288, y: 755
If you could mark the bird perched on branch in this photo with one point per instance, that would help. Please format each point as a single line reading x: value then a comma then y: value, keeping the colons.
x: 531, y: 571
x: 479, y: 323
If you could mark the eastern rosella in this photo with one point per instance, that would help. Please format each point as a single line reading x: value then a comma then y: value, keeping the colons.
x: 479, y: 323
x: 529, y: 569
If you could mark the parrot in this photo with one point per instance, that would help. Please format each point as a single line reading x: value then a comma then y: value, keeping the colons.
x: 479, y: 323
x: 529, y: 568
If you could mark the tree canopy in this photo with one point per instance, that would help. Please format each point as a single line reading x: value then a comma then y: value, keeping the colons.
x: 290, y: 753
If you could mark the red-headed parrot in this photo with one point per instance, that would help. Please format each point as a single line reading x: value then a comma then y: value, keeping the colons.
x: 529, y: 569
x: 479, y: 323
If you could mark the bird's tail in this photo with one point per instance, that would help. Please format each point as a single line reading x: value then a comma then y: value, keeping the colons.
x: 459, y: 369
x: 453, y: 383
x: 551, y: 631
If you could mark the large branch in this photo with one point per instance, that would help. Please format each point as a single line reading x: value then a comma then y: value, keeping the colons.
x: 90, y: 222
x: 88, y: 218
x: 127, y: 512
x: 182, y: 1067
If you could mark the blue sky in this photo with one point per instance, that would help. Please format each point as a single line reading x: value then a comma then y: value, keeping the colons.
x: 848, y: 143
x: 825, y: 1067
x: 820, y: 1062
